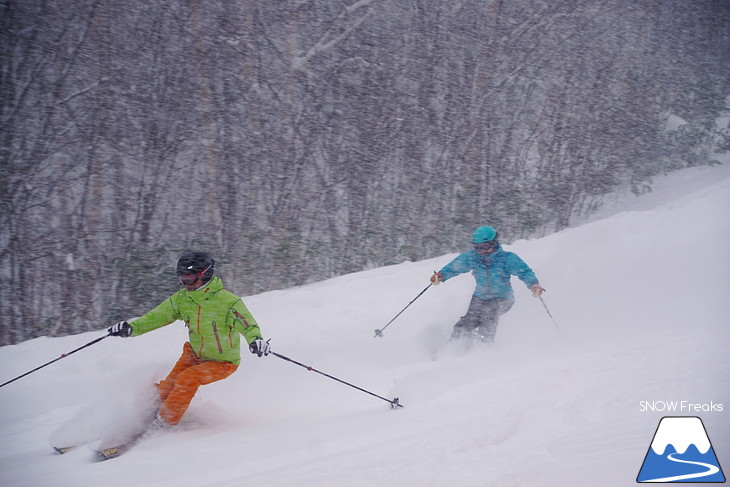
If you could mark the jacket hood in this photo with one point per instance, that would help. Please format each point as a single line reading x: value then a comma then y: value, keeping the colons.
x: 201, y: 294
x: 489, y: 257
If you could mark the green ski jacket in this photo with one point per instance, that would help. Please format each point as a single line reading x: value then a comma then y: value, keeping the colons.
x: 215, y: 318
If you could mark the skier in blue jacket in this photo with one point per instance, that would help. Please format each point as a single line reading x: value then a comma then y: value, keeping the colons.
x: 492, y: 268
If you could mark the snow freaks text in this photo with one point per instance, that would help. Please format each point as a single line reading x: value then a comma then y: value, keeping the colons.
x: 680, y: 407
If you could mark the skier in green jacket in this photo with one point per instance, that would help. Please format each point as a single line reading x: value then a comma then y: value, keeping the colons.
x: 215, y: 319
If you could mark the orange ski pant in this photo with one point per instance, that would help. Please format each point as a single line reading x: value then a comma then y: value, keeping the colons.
x: 181, y: 384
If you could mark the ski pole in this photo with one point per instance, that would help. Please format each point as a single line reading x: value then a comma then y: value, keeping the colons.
x: 551, y: 316
x: 379, y: 333
x: 393, y: 403
x: 56, y: 360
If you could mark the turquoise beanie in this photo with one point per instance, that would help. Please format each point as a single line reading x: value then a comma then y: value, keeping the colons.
x: 483, y: 234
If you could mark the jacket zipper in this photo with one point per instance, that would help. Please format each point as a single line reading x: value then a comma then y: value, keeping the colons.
x: 486, y: 271
x: 505, y: 281
x: 202, y: 338
x: 217, y: 338
x: 242, y: 318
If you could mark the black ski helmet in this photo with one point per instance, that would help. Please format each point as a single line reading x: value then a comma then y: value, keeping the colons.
x: 198, y: 263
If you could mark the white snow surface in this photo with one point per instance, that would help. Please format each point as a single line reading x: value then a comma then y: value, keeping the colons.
x: 641, y: 298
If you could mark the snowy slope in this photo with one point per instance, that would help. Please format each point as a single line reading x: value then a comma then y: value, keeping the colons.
x: 642, y: 297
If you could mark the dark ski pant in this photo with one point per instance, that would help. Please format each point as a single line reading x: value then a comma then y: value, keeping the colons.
x: 481, y: 319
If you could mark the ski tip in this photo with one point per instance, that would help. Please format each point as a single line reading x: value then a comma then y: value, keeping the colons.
x: 108, y: 453
x: 63, y: 449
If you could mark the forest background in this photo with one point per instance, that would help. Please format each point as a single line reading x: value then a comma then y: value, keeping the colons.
x: 298, y: 140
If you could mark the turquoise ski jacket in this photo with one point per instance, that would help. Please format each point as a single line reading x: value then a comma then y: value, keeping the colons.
x: 492, y: 272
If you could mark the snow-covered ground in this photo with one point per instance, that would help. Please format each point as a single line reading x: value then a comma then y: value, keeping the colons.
x: 641, y: 296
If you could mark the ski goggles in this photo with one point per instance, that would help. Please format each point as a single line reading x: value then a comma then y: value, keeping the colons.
x: 486, y: 246
x: 187, y: 277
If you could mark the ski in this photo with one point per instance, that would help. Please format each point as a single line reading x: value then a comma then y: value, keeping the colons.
x: 118, y: 443
x: 112, y: 451
x: 123, y: 447
x: 63, y: 449
x: 106, y: 453
x: 119, y: 450
x: 70, y: 446
x: 126, y: 445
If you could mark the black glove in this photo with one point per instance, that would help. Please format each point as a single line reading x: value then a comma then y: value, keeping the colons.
x: 121, y: 329
x: 260, y: 347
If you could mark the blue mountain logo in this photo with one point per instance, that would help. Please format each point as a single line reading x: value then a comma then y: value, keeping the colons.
x: 681, y: 452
